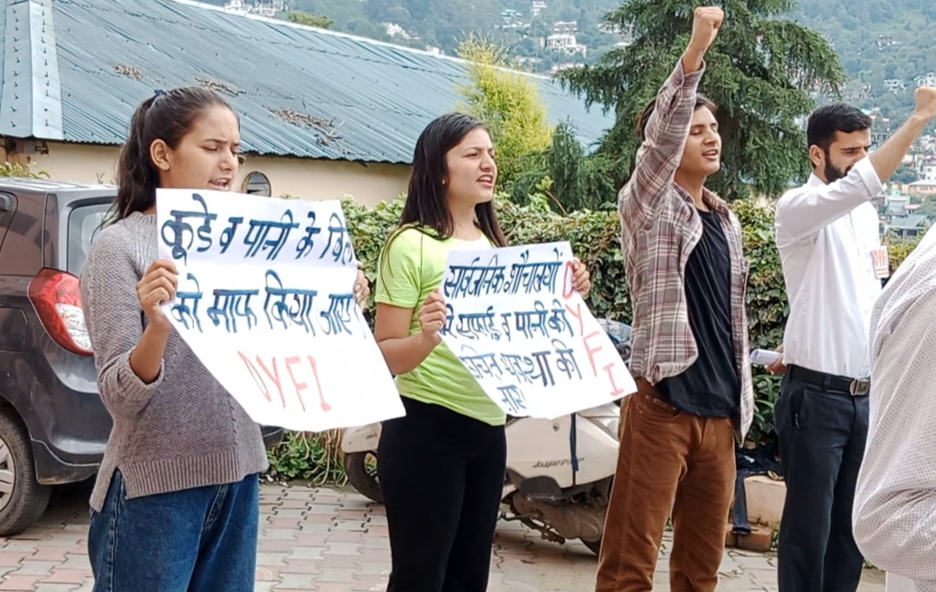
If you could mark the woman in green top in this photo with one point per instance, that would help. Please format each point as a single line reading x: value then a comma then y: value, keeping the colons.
x: 442, y: 465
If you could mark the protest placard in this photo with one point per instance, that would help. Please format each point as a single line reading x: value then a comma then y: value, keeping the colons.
x: 519, y: 327
x: 265, y: 300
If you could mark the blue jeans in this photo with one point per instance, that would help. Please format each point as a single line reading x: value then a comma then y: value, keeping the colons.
x: 195, y: 540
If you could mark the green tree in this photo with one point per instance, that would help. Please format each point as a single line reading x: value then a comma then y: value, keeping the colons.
x: 760, y: 72
x: 571, y: 179
x: 906, y: 174
x: 876, y: 79
x: 312, y: 20
x: 890, y: 106
x: 341, y: 12
x: 928, y: 207
x: 508, y: 102
x: 453, y: 22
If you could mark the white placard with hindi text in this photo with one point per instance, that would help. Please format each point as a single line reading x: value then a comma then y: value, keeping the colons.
x: 266, y: 301
x: 526, y: 335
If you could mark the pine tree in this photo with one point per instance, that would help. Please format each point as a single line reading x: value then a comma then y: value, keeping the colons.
x: 760, y: 72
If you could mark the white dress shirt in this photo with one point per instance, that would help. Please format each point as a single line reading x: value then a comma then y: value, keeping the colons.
x: 826, y: 235
x: 894, y: 515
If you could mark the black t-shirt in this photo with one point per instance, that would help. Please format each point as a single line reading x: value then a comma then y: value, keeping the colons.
x: 711, y: 386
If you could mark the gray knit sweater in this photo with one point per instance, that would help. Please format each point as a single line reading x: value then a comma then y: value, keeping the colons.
x: 182, y: 431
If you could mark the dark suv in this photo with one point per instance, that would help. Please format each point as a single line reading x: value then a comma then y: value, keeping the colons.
x: 53, y: 424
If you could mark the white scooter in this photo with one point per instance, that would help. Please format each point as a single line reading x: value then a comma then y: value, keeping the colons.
x: 559, y: 472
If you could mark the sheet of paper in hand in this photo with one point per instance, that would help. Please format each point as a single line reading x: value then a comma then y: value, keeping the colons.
x: 526, y: 335
x: 266, y: 301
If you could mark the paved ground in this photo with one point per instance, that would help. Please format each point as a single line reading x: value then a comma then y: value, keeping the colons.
x: 327, y: 540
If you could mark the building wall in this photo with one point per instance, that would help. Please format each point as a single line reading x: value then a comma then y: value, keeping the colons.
x: 369, y: 184
x: 922, y: 189
x: 929, y: 172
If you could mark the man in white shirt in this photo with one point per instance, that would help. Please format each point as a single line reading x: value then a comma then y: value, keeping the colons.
x: 833, y: 264
x: 895, y: 504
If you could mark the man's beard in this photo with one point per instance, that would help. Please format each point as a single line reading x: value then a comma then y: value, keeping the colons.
x: 833, y: 174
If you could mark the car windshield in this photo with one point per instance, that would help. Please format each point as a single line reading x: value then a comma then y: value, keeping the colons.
x: 84, y: 222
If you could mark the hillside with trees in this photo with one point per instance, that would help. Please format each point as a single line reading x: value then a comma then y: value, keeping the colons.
x: 523, y: 27
x: 885, y: 46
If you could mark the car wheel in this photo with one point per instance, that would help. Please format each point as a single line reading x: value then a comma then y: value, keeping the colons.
x: 361, y: 468
x: 22, y: 498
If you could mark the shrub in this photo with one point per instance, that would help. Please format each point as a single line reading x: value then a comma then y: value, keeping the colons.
x: 899, y: 250
x: 15, y: 169
x: 310, y: 457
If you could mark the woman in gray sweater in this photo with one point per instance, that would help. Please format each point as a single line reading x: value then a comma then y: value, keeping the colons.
x: 175, y: 507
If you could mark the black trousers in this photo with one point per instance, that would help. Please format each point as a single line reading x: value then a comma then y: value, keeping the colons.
x: 822, y: 441
x: 442, y: 475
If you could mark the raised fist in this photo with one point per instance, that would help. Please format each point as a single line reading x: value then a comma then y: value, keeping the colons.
x: 926, y: 101
x: 705, y: 25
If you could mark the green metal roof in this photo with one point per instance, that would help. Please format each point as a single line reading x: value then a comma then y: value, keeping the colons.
x: 910, y: 222
x: 76, y: 70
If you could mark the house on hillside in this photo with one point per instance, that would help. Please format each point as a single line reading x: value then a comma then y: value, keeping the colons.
x: 895, y: 85
x: 928, y: 79
x: 511, y: 19
x: 268, y: 8
x: 880, y: 127
x: 909, y: 226
x: 927, y: 168
x: 323, y: 114
x: 565, y: 27
x: 922, y: 188
x: 896, y: 207
x: 565, y: 43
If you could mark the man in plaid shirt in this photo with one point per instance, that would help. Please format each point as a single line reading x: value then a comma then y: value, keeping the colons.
x: 687, y: 280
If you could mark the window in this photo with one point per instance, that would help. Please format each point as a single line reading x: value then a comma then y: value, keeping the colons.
x: 84, y: 222
x: 257, y: 183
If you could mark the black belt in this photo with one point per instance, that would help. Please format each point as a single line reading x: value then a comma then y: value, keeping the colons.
x: 856, y: 387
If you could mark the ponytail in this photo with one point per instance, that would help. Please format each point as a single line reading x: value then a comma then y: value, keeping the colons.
x: 136, y: 173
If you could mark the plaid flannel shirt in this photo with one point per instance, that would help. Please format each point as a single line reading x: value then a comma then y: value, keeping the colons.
x: 660, y: 228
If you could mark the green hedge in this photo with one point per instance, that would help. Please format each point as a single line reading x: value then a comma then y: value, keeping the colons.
x: 595, y: 238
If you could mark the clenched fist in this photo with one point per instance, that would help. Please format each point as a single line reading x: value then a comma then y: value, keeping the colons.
x: 926, y: 101
x: 432, y: 316
x: 158, y: 285
x: 361, y: 289
x: 705, y: 25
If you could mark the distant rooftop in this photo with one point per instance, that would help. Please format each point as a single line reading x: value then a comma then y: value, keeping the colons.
x: 910, y: 222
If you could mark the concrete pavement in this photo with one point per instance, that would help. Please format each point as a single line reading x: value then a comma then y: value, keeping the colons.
x: 330, y: 540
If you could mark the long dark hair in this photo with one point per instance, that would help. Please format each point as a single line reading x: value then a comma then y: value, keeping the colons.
x: 426, y: 207
x: 166, y: 116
